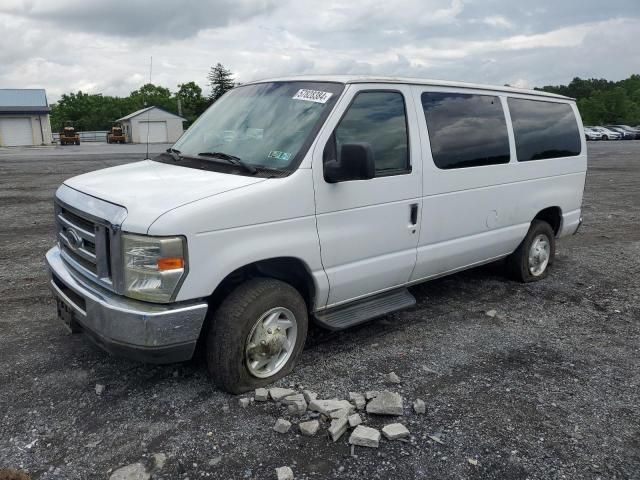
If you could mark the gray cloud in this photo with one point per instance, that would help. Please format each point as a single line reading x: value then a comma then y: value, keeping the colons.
x: 490, y: 41
x: 138, y: 18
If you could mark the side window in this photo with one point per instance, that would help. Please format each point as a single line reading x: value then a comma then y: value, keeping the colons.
x: 466, y: 130
x: 544, y: 129
x: 379, y: 119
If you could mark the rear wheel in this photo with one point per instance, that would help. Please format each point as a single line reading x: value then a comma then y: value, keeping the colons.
x: 604, y: 137
x: 256, y: 335
x: 533, y: 257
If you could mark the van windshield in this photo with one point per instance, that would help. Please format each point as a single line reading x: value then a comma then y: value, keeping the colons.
x: 265, y: 126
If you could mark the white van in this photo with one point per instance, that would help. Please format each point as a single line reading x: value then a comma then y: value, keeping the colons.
x: 312, y: 198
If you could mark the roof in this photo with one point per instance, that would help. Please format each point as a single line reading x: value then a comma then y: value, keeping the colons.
x: 23, y: 100
x: 144, y: 110
x: 406, y: 80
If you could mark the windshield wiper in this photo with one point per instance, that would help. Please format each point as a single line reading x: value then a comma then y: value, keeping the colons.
x: 231, y: 159
x: 175, y: 153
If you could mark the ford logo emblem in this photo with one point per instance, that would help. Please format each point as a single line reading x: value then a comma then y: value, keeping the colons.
x: 75, y: 240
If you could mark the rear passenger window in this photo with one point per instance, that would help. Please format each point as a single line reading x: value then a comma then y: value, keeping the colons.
x: 379, y: 119
x: 544, y: 129
x: 466, y: 130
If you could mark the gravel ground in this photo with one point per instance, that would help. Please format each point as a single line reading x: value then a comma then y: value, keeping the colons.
x: 547, y: 388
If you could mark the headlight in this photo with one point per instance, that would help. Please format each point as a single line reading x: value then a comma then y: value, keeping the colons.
x: 153, y: 266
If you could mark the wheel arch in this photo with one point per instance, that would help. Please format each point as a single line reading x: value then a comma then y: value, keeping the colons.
x: 551, y: 215
x: 291, y: 270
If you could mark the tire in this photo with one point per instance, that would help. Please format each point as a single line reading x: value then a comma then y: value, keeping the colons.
x: 604, y: 137
x: 235, y: 323
x: 518, y: 263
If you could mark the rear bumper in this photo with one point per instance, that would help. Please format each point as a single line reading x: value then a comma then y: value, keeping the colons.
x: 138, y: 330
x: 571, y: 222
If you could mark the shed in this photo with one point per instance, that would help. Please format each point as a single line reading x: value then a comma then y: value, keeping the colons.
x: 24, y: 117
x: 161, y: 126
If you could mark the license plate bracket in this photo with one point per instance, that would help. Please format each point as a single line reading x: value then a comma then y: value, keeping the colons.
x: 66, y: 316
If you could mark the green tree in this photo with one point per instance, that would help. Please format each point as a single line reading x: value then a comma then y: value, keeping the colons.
x: 603, y: 102
x: 220, y: 80
x: 153, y: 95
x: 192, y: 101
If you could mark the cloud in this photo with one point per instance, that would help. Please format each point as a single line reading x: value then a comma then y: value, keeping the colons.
x: 138, y: 18
x: 101, y: 47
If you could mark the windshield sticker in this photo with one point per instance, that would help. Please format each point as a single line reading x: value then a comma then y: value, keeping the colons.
x: 312, y: 95
x: 283, y: 156
x: 255, y: 133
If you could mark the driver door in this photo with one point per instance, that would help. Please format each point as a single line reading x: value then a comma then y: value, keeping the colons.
x: 369, y: 229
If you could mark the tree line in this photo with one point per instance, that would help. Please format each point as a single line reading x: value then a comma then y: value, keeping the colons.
x: 88, y: 111
x: 603, y: 102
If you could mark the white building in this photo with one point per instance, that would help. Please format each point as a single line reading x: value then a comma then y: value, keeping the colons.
x: 24, y: 117
x: 160, y: 125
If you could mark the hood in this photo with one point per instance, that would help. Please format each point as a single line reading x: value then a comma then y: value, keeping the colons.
x: 148, y: 189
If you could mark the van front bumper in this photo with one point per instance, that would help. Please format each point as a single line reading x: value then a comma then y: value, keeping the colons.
x: 148, y: 332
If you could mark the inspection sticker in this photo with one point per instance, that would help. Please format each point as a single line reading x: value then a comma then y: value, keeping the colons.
x: 312, y: 95
x: 285, y: 156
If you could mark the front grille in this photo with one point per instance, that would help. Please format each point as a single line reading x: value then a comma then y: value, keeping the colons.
x: 85, y: 243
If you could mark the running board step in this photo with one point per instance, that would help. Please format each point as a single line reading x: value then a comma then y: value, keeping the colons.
x: 346, y: 316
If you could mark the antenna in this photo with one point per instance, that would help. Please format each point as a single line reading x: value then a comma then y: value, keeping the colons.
x: 148, y: 111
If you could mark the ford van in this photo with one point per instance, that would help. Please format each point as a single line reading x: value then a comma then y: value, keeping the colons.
x: 312, y: 199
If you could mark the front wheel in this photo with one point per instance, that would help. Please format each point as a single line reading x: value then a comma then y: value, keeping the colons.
x: 256, y: 335
x: 531, y: 260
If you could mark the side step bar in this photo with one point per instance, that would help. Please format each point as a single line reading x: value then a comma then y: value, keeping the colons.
x: 345, y: 316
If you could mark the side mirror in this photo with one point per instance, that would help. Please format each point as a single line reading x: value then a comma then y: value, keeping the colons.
x: 356, y: 163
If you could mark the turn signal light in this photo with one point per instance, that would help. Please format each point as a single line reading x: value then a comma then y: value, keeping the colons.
x: 170, y: 263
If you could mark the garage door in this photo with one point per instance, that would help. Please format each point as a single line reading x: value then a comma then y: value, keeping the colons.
x: 157, y: 132
x: 15, y: 131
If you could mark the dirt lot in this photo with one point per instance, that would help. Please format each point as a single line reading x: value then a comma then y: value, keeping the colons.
x: 549, y: 388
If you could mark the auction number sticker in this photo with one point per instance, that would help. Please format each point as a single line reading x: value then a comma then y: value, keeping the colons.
x: 317, y: 96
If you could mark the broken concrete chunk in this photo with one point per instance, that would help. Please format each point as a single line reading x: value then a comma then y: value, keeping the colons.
x: 309, y: 428
x: 327, y: 406
x: 282, y: 425
x: 343, y: 412
x: 261, y: 395
x: 99, y: 389
x: 135, y: 471
x: 292, y: 399
x: 298, y: 407
x: 419, y: 406
x: 244, y: 402
x: 358, y: 400
x: 338, y: 427
x: 371, y: 394
x: 309, y: 395
x: 284, y: 473
x: 386, y: 403
x: 473, y: 461
x: 365, y: 437
x: 354, y: 420
x: 159, y: 459
x: 395, y: 431
x: 491, y: 313
x: 392, y: 377
x: 279, y: 393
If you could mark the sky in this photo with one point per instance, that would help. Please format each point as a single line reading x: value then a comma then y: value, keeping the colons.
x: 101, y: 46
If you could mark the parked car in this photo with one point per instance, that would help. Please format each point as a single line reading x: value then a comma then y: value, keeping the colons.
x: 312, y: 199
x: 625, y: 134
x: 608, y: 134
x: 629, y: 132
x: 591, y: 134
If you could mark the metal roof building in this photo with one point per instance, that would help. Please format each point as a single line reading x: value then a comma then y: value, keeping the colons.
x: 154, y: 123
x: 24, y: 117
